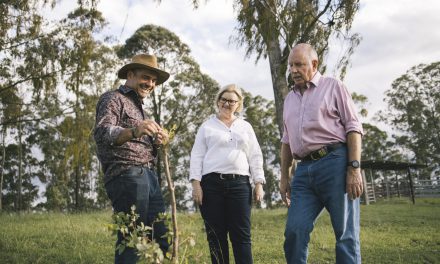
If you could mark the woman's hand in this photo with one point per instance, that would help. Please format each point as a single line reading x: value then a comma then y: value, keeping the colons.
x: 259, y: 192
x: 197, y: 193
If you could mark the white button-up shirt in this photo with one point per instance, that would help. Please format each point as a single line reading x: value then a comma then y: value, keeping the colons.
x: 229, y: 150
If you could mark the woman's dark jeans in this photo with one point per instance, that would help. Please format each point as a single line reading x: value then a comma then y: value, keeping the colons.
x: 138, y: 186
x: 226, y: 208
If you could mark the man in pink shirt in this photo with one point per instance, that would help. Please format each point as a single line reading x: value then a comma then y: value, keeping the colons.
x: 322, y: 130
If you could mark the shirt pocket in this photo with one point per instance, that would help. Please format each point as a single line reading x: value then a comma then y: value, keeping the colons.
x: 130, y: 120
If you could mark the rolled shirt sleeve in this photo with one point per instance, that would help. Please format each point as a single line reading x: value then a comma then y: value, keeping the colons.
x: 347, y: 110
x: 107, y: 117
x: 255, y: 157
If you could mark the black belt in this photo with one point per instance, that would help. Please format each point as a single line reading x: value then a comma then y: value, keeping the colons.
x: 322, y: 152
x: 225, y: 177
x: 148, y: 165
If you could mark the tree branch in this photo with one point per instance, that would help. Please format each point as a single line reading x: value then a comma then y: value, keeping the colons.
x: 315, y: 20
x: 27, y: 79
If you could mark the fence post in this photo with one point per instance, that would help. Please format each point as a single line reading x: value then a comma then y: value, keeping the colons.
x: 372, y: 184
x: 411, y: 186
x: 387, y: 186
x: 366, y: 194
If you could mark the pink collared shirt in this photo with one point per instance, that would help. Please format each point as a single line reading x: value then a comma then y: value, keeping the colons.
x: 323, y: 115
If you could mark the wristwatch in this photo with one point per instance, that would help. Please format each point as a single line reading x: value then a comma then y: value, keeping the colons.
x: 354, y: 163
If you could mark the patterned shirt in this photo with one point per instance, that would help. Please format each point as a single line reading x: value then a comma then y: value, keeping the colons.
x: 115, y: 111
x: 323, y: 115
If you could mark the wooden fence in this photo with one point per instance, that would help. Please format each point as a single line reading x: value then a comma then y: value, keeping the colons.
x: 388, y: 189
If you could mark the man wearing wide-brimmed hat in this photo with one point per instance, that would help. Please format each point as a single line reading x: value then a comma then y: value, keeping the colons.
x: 127, y: 140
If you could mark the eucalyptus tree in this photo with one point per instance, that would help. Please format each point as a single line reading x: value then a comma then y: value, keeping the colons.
x: 19, y: 194
x: 414, y: 113
x: 18, y: 166
x: 54, y: 71
x: 87, y: 69
x: 377, y: 144
x: 268, y: 28
x: 25, y: 59
x: 181, y: 104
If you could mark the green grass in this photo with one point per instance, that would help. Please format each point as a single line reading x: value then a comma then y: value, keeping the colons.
x: 391, y: 232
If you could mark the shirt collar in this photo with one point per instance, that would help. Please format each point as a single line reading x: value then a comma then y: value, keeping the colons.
x: 314, y: 82
x: 126, y: 90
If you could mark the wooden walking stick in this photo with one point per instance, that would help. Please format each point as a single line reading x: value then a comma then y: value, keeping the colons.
x: 165, y: 149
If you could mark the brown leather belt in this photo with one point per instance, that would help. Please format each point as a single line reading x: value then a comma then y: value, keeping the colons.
x: 322, y: 152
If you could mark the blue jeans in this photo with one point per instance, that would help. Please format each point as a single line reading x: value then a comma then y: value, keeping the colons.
x: 226, y: 208
x: 138, y: 186
x: 317, y: 185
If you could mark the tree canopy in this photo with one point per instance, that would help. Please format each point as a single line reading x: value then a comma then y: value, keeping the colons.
x: 414, y: 113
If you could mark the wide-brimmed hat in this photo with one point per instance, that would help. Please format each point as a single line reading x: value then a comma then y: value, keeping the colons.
x: 144, y: 61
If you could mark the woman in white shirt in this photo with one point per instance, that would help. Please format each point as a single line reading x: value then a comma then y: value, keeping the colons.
x: 225, y: 159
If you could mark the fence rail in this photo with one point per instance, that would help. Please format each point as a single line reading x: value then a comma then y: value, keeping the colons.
x: 422, y: 188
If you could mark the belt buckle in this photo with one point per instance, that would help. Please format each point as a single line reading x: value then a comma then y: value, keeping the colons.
x: 224, y: 176
x: 320, y: 153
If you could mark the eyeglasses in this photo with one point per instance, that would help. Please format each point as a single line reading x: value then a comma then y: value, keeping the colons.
x: 230, y: 102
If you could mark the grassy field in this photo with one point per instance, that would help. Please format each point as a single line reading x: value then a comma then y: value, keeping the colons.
x: 391, y: 232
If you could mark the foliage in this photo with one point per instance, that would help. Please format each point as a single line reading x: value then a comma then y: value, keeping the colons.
x: 85, y: 58
x: 29, y: 189
x: 136, y: 235
x: 38, y: 57
x: 260, y: 113
x: 21, y: 33
x: 376, y: 143
x: 414, y: 113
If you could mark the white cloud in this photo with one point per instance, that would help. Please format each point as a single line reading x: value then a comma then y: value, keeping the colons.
x: 396, y: 36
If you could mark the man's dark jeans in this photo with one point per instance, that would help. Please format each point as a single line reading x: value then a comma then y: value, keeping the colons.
x: 226, y: 208
x: 138, y: 186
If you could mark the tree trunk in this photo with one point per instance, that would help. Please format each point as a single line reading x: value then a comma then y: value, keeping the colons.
x: 268, y: 186
x: 77, y: 183
x: 175, y: 255
x: 3, y: 165
x: 279, y: 82
x: 20, y: 166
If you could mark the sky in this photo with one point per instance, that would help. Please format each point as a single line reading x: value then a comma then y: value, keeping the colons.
x: 396, y: 35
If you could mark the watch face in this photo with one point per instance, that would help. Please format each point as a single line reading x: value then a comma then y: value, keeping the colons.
x: 354, y: 164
